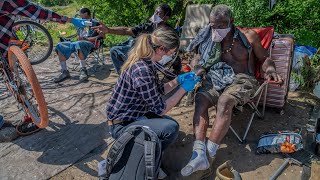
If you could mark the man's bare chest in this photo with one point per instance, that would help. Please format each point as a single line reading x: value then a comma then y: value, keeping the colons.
x: 237, y: 54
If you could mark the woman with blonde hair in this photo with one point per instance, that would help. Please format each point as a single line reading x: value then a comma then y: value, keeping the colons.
x: 137, y: 96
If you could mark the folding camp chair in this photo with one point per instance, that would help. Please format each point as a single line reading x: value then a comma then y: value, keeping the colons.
x: 274, y: 94
x: 96, y: 53
x: 266, y: 35
x: 281, y: 50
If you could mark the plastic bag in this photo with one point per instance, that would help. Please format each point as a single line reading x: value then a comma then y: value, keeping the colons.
x: 281, y: 142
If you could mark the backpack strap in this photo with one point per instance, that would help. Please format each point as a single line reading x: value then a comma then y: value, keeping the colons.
x: 149, y: 158
x: 116, y: 149
x: 150, y: 154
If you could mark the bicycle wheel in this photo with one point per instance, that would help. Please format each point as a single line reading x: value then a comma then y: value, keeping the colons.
x: 29, y: 89
x: 38, y: 39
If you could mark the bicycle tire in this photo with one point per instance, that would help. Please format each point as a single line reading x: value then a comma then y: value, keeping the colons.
x: 35, y: 86
x: 47, y: 34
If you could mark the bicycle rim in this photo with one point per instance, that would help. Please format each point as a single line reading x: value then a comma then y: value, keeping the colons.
x: 37, y: 37
x: 29, y: 89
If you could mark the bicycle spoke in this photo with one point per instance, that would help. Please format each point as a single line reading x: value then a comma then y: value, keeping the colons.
x: 25, y: 89
x: 36, y: 39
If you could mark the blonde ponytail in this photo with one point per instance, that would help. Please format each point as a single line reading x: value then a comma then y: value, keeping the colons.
x: 146, y: 44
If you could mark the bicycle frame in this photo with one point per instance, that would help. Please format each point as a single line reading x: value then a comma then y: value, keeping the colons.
x: 21, y: 43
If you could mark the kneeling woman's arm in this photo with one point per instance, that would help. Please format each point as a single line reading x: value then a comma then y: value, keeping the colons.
x: 173, y: 100
x: 169, y: 86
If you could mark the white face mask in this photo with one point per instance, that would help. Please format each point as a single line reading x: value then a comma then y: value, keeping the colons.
x: 219, y: 34
x: 165, y: 59
x: 155, y: 19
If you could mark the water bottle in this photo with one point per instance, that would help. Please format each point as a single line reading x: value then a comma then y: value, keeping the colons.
x: 88, y: 23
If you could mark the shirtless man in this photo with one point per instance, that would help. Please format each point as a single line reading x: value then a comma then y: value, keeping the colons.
x: 241, y: 51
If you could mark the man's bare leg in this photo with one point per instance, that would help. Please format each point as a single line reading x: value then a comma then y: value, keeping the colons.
x: 82, y: 59
x: 83, y: 71
x: 62, y: 61
x: 64, y: 69
x: 199, y: 160
x: 221, y: 124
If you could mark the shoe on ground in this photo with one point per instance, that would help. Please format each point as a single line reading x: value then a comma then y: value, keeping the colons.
x: 62, y: 76
x: 83, y: 75
x: 26, y: 128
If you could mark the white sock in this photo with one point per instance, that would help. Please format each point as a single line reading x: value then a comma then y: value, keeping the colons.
x: 83, y: 63
x: 212, y: 148
x: 198, y: 160
x: 63, y: 65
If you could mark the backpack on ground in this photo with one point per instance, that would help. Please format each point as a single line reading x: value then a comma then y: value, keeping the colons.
x: 135, y: 155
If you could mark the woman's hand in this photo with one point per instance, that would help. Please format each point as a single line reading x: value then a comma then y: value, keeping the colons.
x: 77, y: 22
x: 189, y: 84
x: 181, y: 78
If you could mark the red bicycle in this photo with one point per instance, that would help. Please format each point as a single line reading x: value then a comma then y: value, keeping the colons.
x: 21, y: 81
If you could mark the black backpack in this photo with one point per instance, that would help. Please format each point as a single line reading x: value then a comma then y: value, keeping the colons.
x: 135, y: 155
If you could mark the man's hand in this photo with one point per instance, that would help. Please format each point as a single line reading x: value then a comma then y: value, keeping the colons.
x: 195, y: 60
x: 199, y: 70
x: 101, y: 28
x: 271, y: 74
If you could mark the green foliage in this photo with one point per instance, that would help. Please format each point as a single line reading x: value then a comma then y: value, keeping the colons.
x: 55, y: 2
x: 309, y: 74
x: 298, y: 17
x: 127, y: 13
x: 112, y: 40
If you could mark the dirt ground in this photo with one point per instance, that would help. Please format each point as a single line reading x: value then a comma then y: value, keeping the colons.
x: 251, y: 166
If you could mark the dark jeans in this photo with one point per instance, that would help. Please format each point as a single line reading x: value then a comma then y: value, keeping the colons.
x: 119, y: 54
x: 166, y: 128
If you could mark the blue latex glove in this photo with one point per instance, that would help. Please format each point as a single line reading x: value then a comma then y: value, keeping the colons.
x: 189, y: 84
x: 79, y: 23
x: 189, y: 75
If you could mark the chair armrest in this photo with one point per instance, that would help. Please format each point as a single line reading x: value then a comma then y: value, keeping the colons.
x: 262, y: 86
x: 68, y: 38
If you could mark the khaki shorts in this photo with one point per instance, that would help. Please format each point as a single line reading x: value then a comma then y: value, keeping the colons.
x: 242, y: 89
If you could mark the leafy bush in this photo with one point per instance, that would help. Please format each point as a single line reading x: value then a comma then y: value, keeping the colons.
x: 298, y: 17
x: 309, y: 73
x: 55, y: 2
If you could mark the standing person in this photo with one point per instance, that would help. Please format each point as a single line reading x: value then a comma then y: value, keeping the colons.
x: 8, y: 10
x: 119, y: 53
x: 136, y: 98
